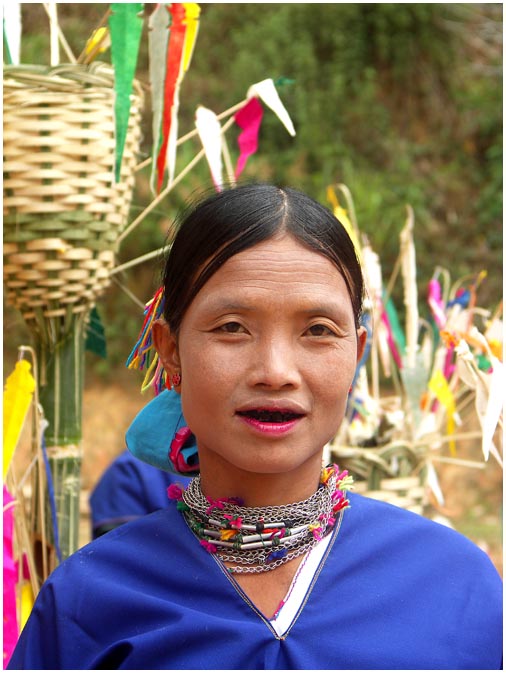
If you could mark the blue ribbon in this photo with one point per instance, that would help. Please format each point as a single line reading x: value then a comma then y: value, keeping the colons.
x: 52, y: 499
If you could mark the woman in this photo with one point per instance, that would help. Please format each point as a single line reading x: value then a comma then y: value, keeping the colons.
x: 260, y: 564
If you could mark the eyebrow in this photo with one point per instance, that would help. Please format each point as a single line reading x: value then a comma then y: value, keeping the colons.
x: 324, y: 309
x: 336, y: 312
x: 228, y: 306
x: 320, y: 309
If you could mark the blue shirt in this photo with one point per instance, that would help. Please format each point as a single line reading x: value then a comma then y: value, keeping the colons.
x: 394, y: 591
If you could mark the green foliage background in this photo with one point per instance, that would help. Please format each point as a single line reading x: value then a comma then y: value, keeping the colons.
x: 401, y: 102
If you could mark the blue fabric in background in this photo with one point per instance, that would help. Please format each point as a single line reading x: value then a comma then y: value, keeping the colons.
x: 127, y: 490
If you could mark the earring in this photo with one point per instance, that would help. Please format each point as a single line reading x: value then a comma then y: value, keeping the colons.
x: 176, y: 379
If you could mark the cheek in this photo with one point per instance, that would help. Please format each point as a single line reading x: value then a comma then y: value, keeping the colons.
x: 203, y: 367
x: 333, y: 397
x: 331, y: 383
x: 338, y: 368
x: 207, y: 384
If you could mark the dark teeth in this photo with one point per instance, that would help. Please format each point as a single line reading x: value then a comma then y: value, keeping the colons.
x: 269, y: 416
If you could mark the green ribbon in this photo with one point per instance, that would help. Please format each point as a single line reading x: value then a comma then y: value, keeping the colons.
x: 95, y: 335
x: 126, y: 27
x: 397, y: 333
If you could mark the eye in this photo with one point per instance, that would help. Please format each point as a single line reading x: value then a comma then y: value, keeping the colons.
x: 320, y: 330
x: 231, y: 328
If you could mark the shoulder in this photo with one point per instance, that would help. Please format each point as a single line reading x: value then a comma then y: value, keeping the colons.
x: 129, y: 562
x: 105, y: 592
x: 406, y: 533
x: 420, y: 590
x: 121, y: 555
x: 388, y: 522
x: 427, y: 558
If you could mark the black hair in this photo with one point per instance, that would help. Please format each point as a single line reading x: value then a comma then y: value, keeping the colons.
x: 233, y: 220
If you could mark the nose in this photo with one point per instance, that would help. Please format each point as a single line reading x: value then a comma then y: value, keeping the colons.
x: 274, y: 365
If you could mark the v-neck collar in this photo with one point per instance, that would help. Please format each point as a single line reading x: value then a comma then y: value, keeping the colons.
x: 305, y: 598
x: 296, y: 593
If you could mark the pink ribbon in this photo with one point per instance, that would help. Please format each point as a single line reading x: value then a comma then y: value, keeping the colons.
x: 11, y: 631
x: 176, y: 448
x: 248, y: 119
x: 436, y: 304
x: 390, y: 340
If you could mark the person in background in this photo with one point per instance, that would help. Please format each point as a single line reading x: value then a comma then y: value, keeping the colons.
x: 128, y: 488
x: 265, y: 560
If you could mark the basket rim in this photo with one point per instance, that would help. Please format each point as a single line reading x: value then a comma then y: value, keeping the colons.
x: 62, y: 77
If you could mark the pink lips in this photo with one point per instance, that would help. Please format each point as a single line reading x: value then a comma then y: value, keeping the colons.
x: 275, y: 427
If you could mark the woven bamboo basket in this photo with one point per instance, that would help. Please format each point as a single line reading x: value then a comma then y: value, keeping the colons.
x: 393, y: 473
x: 388, y: 466
x: 63, y: 211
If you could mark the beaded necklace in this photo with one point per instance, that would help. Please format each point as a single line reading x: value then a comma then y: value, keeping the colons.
x: 259, y: 539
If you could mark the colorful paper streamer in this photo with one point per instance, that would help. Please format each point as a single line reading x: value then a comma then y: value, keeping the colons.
x: 125, y: 25
x: 249, y: 119
x: 12, y: 31
x: 436, y: 304
x: 18, y: 394
x: 11, y: 629
x: 438, y: 385
x: 209, y: 130
x: 158, y: 40
x: 342, y: 215
x: 267, y: 92
x: 181, y: 43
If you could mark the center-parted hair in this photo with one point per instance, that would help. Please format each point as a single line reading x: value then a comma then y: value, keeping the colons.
x: 236, y: 219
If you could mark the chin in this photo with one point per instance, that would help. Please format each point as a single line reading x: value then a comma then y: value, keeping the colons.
x: 278, y: 465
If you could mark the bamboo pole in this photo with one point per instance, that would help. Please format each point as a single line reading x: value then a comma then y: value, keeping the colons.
x: 61, y: 36
x: 181, y: 175
x: 138, y: 260
x: 161, y: 196
x: 60, y: 393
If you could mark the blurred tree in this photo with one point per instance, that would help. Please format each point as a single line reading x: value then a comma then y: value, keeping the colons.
x: 402, y: 102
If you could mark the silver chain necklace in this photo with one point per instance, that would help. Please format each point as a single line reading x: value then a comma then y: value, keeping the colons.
x: 259, y: 539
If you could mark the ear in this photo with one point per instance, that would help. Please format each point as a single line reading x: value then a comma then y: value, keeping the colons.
x: 165, y: 344
x: 361, y: 342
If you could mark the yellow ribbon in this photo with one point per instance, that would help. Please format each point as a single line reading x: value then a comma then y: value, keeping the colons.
x: 99, y: 42
x: 342, y: 216
x: 192, y: 13
x: 18, y: 393
x: 26, y: 600
x: 439, y: 386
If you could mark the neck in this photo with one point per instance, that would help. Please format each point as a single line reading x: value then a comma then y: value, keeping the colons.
x: 259, y: 539
x: 259, y: 489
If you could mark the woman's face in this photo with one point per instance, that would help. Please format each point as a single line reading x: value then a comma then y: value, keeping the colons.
x: 267, y: 352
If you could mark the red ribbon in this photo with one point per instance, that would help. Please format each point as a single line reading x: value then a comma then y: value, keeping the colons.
x: 174, y: 59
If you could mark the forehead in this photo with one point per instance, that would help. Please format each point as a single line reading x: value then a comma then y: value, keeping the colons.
x: 279, y: 267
